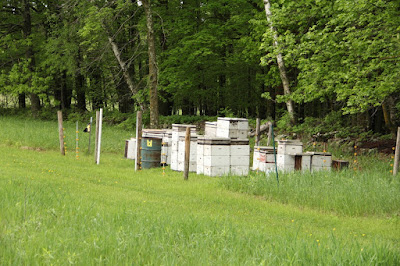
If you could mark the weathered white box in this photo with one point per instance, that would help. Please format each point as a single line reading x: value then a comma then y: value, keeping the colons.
x: 192, y: 166
x: 210, y: 129
x: 216, y: 150
x: 216, y: 170
x: 290, y: 147
x: 241, y: 160
x: 216, y: 161
x: 239, y: 170
x: 232, y: 127
x: 174, y: 160
x: 130, y: 148
x: 321, y: 161
x: 240, y: 150
x: 200, y: 169
x: 305, y: 162
x: 262, y: 154
x: 242, y: 134
x: 285, y: 162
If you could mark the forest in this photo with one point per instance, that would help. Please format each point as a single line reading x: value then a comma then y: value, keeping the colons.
x: 296, y: 62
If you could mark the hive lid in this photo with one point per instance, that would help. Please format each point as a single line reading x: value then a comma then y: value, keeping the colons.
x: 214, y: 141
x: 232, y: 119
x: 290, y: 142
x: 211, y: 123
x: 319, y: 153
x: 239, y: 142
x: 266, y: 148
x: 182, y: 125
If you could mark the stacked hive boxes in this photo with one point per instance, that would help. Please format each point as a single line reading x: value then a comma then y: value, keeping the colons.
x: 234, y: 128
x: 287, y: 150
x: 177, y: 131
x: 213, y: 156
x: 228, y: 152
x: 193, y: 153
x: 240, y: 157
x: 263, y: 158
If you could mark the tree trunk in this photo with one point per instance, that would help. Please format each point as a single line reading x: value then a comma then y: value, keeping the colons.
x: 281, y: 64
x: 153, y: 79
x: 125, y: 72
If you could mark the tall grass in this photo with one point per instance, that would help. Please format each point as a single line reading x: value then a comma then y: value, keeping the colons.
x: 368, y: 191
x: 39, y: 134
x: 59, y: 210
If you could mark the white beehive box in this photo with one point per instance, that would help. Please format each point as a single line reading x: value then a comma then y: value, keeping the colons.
x: 306, y: 162
x: 239, y: 170
x: 193, y: 153
x: 235, y: 128
x: 210, y: 129
x: 216, y: 170
x: 262, y: 154
x: 217, y: 160
x: 216, y: 150
x: 290, y: 147
x: 177, y: 131
x: 285, y: 162
x: 200, y: 157
x: 130, y: 148
x: 321, y: 161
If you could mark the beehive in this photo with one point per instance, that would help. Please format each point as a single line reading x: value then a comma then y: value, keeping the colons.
x: 234, y: 128
x: 215, y: 157
x: 177, y: 131
x: 240, y: 157
x: 130, y: 148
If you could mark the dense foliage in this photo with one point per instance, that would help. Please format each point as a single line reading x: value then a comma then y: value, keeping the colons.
x: 213, y: 57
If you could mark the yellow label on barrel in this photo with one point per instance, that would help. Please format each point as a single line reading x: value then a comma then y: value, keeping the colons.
x: 149, y: 143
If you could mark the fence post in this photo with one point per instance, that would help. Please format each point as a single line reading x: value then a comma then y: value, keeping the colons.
x: 397, y: 153
x: 138, y: 160
x: 61, y: 132
x: 258, y: 132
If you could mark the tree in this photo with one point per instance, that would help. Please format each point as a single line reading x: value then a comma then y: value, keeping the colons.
x: 153, y: 70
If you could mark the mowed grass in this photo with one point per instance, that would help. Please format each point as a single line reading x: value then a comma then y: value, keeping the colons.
x: 59, y: 210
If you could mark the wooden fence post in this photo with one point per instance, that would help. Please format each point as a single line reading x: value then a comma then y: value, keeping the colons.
x: 397, y: 153
x: 138, y: 160
x: 187, y: 154
x: 61, y: 132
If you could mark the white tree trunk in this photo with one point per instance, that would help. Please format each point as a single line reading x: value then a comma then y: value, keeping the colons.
x: 281, y: 63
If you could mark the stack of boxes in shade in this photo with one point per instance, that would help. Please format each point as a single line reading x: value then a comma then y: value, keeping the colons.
x: 291, y: 157
x: 224, y: 149
x: 287, y: 149
x: 178, y: 130
x: 320, y: 161
x: 263, y: 159
x: 193, y: 153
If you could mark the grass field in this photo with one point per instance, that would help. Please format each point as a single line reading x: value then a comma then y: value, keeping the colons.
x: 59, y: 210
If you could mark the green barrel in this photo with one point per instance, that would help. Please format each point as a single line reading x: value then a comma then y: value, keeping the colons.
x: 151, y: 152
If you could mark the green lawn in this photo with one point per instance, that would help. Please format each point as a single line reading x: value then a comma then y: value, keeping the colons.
x: 59, y: 210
